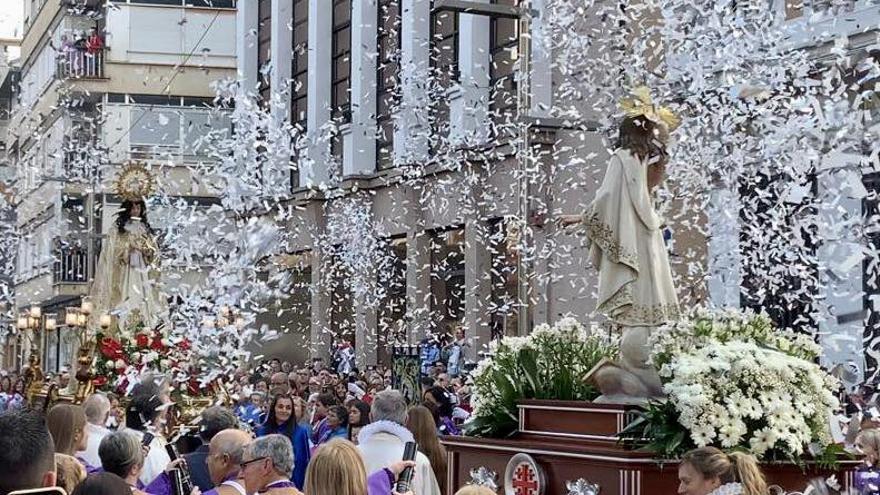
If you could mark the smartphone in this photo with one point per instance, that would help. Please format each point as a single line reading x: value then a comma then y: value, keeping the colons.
x: 52, y: 490
x: 405, y: 478
x: 148, y: 439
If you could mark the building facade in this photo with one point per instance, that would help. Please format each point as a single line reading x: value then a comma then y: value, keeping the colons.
x: 385, y: 89
x: 100, y: 86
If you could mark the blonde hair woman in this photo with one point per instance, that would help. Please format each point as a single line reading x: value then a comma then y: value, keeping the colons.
x: 69, y: 471
x: 474, y: 490
x: 338, y: 469
x: 709, y: 471
x: 867, y: 477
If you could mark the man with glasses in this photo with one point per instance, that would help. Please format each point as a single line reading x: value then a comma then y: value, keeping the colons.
x: 266, y: 465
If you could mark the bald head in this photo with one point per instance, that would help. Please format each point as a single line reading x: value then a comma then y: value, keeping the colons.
x: 225, y: 453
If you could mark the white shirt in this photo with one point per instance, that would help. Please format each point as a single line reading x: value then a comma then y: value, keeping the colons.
x: 156, y: 461
x: 96, y: 434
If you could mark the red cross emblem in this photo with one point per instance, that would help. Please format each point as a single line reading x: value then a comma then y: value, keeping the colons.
x: 524, y: 480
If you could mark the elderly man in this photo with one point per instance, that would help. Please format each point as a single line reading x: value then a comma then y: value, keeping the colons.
x: 278, y: 384
x: 224, y: 458
x: 382, y: 441
x: 214, y: 420
x: 97, y: 409
x: 267, y: 464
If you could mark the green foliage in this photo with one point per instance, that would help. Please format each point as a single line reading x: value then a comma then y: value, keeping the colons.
x: 548, y: 364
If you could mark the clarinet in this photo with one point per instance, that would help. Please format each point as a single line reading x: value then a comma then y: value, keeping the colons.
x: 181, y: 484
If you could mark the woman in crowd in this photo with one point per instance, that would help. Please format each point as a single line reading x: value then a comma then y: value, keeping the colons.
x: 358, y: 417
x: 5, y: 392
x: 474, y: 490
x: 337, y: 424
x: 15, y: 401
x: 338, y: 469
x: 867, y: 477
x: 69, y: 472
x: 340, y: 390
x: 323, y: 403
x: 281, y: 419
x: 420, y: 422
x: 121, y: 454
x: 67, y: 424
x: 439, y: 397
x: 102, y: 484
x: 709, y: 471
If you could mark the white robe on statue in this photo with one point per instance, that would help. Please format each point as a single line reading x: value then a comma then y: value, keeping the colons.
x: 125, y: 280
x: 625, y: 241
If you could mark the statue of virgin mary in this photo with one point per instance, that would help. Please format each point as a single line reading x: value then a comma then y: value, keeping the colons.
x: 126, y: 283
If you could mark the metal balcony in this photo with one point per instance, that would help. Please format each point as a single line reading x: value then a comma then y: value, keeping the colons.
x: 81, y: 64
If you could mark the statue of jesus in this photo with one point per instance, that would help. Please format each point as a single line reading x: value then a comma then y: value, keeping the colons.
x: 626, y: 246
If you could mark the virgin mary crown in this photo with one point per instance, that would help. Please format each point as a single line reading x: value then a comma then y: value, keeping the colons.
x: 134, y: 182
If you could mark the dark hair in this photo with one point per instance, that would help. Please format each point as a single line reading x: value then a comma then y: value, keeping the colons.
x: 444, y: 403
x: 27, y: 451
x: 214, y: 420
x: 271, y: 425
x: 144, y: 406
x: 364, y: 408
x: 327, y: 399
x: 124, y: 215
x: 427, y: 382
x: 102, y: 484
x: 341, y: 412
x: 639, y: 135
x: 3, y: 387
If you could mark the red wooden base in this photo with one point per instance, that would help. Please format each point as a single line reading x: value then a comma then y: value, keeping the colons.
x: 572, y: 440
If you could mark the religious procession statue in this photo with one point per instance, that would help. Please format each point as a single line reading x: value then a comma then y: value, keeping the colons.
x: 125, y: 292
x: 626, y: 246
x: 126, y: 283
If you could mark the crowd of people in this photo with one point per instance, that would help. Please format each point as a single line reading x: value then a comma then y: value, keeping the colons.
x: 290, y: 429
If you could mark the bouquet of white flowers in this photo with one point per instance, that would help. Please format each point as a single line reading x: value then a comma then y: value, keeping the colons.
x: 549, y: 363
x: 733, y: 381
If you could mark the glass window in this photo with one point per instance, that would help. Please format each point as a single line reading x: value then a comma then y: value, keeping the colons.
x: 387, y: 74
x: 264, y: 37
x: 504, y: 303
x: 447, y: 278
x: 504, y: 51
x: 444, y: 63
x: 392, y: 308
x: 340, y: 101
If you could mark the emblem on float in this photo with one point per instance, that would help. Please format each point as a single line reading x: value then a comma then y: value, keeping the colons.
x: 524, y: 476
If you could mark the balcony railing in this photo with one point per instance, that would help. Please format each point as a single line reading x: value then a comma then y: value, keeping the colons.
x: 81, y: 64
x: 71, y: 264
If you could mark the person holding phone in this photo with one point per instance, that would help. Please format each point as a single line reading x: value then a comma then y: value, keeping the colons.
x: 27, y: 452
x: 143, y: 417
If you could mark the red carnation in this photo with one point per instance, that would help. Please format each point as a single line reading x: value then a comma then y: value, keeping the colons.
x: 157, y: 344
x: 143, y: 340
x: 111, y: 349
x: 184, y: 345
x: 100, y: 381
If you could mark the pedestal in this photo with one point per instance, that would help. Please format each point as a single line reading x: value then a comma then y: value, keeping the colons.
x: 578, y: 440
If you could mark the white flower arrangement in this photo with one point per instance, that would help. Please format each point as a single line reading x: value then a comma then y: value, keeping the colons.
x: 549, y: 363
x: 736, y: 382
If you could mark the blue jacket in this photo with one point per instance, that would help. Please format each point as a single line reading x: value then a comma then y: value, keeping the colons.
x: 301, y: 453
